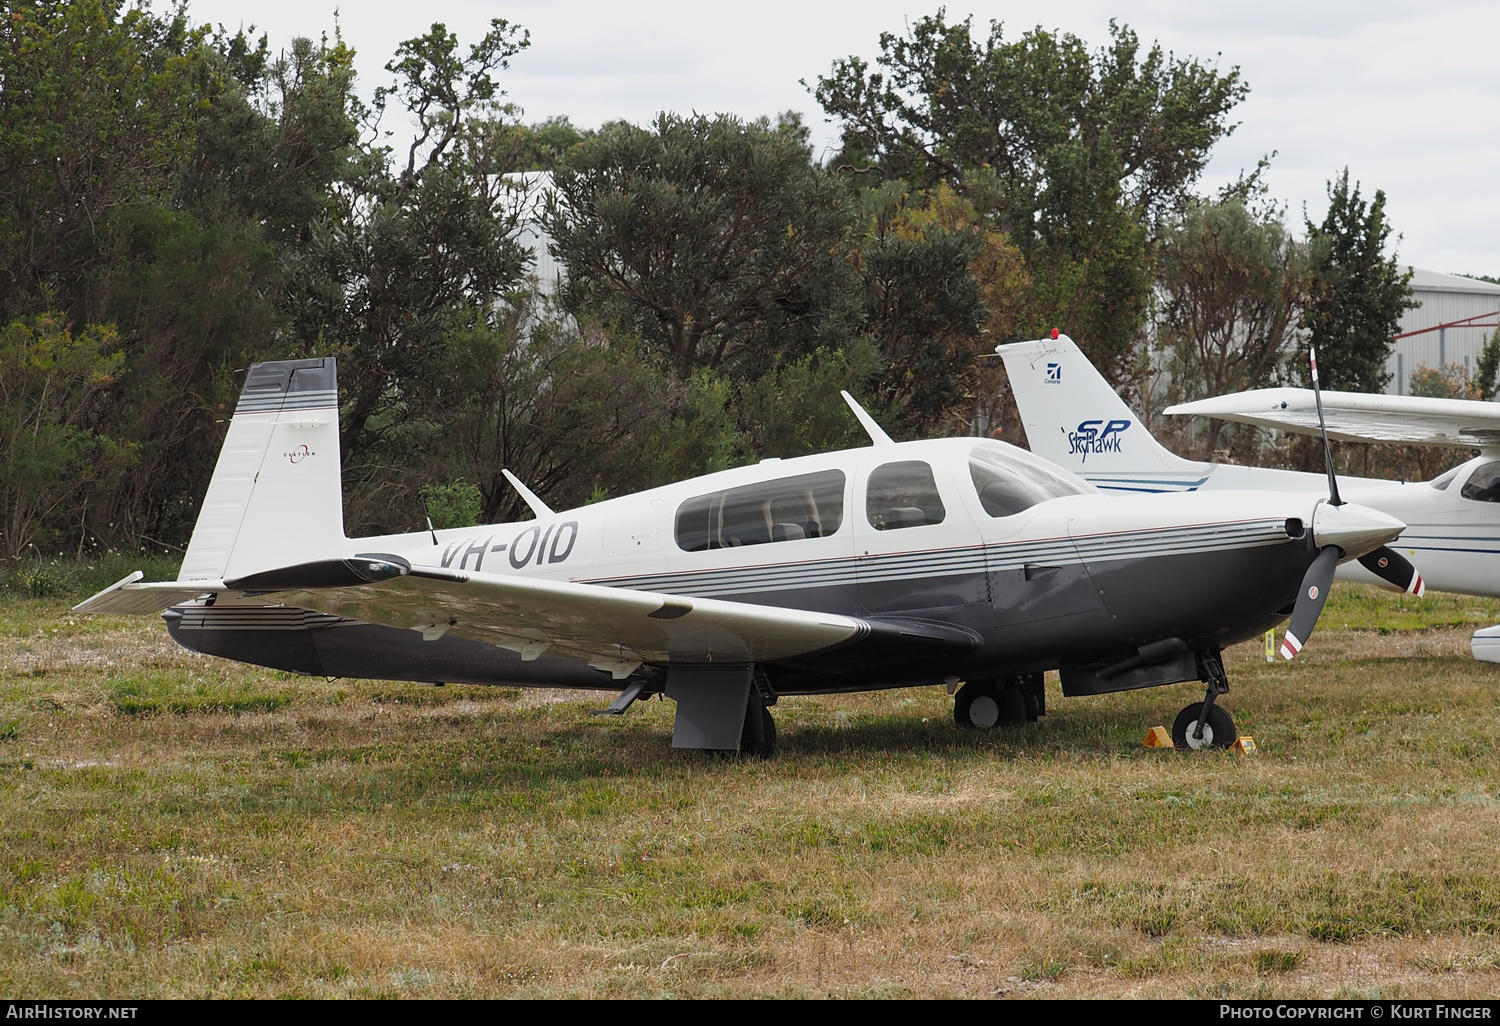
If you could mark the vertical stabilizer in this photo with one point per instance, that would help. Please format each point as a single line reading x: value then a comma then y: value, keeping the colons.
x: 1073, y: 418
x: 275, y: 498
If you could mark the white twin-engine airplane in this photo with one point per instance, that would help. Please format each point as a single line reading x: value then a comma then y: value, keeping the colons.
x: 1075, y: 419
x: 900, y: 564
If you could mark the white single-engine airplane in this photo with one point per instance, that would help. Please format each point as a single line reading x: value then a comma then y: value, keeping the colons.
x: 1075, y: 419
x: 954, y: 559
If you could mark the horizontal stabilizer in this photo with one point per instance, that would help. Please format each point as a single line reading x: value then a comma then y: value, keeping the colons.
x: 1359, y: 416
x: 127, y: 597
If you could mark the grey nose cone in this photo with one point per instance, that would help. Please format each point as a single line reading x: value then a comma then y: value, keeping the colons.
x: 1354, y: 528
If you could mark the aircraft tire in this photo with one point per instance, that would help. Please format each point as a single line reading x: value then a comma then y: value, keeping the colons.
x: 766, y: 747
x: 1219, y: 732
x: 984, y: 705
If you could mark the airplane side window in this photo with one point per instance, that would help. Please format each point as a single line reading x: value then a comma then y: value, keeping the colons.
x: 696, y: 520
x: 1484, y: 484
x: 903, y: 495
x: 788, y: 509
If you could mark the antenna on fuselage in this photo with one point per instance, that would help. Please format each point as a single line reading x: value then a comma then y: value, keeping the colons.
x: 540, y: 508
x: 1333, y: 481
x: 877, y: 436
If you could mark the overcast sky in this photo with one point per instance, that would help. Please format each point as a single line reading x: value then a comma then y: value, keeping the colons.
x: 1406, y: 94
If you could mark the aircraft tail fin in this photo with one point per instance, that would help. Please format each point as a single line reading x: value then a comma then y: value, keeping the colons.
x: 1074, y: 418
x: 275, y: 498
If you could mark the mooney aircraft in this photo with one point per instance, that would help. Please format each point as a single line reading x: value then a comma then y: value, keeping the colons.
x: 1075, y: 419
x: 898, y: 564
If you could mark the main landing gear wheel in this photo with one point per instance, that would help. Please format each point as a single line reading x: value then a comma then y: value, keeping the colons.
x: 985, y: 705
x: 759, y: 744
x: 1218, y: 732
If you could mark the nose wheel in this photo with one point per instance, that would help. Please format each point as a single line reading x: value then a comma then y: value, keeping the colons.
x: 1204, y: 724
x: 1218, y: 728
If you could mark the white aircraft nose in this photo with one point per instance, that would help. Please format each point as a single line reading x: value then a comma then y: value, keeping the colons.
x: 1354, y: 528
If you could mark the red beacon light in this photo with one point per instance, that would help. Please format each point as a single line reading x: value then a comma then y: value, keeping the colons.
x: 1054, y: 332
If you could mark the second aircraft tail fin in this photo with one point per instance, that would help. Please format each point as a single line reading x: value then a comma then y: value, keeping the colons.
x: 1074, y: 418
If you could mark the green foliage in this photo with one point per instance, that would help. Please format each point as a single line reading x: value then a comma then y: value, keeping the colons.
x: 796, y: 410
x: 1450, y: 381
x: 1075, y: 155
x: 404, y: 259
x: 452, y: 505
x: 1359, y: 293
x: 76, y: 577
x: 151, y: 174
x: 443, y: 90
x: 715, y: 241
x: 922, y: 304
x: 1232, y: 287
x: 1488, y: 368
x: 547, y: 144
x: 50, y: 462
x: 96, y: 111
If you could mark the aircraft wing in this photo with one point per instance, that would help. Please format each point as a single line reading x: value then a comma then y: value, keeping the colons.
x: 611, y: 629
x: 1359, y: 416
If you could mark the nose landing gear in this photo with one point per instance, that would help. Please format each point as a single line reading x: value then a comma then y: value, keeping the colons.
x: 1204, y: 724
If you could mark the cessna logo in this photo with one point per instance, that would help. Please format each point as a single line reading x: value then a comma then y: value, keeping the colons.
x: 1094, y: 437
x: 1054, y: 374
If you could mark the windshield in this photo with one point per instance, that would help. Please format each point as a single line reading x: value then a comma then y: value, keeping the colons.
x: 1443, y: 481
x: 1011, y: 480
x: 1483, y: 484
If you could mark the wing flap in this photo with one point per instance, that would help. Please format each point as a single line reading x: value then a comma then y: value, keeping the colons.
x: 1358, y: 416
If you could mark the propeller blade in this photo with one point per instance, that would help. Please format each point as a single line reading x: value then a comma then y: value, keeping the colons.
x: 1392, y: 567
x: 1315, y: 585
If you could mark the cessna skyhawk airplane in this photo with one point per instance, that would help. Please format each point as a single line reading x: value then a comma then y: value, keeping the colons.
x: 953, y: 559
x: 1074, y: 419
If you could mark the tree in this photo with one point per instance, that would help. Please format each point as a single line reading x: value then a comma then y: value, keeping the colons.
x: 154, y: 176
x: 50, y: 462
x: 1075, y: 156
x: 923, y: 304
x: 1359, y: 294
x: 405, y: 257
x: 1232, y: 288
x: 716, y: 241
x: 1488, y: 367
x: 95, y: 114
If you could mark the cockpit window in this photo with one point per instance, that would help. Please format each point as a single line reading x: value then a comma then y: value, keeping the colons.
x: 1484, y: 484
x: 789, y: 509
x: 903, y: 495
x: 1009, y: 481
x: 1442, y: 481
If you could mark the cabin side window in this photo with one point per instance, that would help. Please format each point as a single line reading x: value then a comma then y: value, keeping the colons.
x: 788, y: 509
x: 1484, y: 484
x: 903, y: 495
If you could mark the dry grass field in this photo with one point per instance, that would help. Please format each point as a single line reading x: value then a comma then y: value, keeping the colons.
x: 179, y: 826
